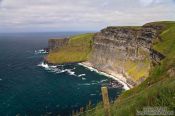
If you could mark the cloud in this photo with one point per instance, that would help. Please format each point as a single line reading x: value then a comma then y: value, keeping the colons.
x: 39, y: 15
x: 0, y: 2
x: 146, y: 2
x: 154, y: 2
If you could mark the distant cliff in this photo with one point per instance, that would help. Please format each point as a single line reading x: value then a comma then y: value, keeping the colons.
x: 70, y: 50
x: 57, y: 43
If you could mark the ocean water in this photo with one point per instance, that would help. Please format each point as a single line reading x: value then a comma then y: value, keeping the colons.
x: 30, y: 88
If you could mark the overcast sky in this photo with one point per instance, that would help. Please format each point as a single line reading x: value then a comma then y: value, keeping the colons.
x: 80, y: 15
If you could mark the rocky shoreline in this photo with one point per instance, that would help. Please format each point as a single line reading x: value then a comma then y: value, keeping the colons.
x: 118, y: 77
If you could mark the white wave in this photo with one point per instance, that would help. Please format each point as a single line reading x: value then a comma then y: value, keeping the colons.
x: 46, y: 66
x: 99, y: 82
x: 56, y: 69
x: 87, y: 84
x: 94, y: 83
x: 70, y: 72
x: 42, y: 51
x: 81, y: 75
x: 103, y: 81
x: 0, y: 79
x: 92, y: 94
x: 50, y: 68
x: 53, y: 66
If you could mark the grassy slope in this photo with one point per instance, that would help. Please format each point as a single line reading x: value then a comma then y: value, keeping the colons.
x: 77, y: 50
x: 157, y: 90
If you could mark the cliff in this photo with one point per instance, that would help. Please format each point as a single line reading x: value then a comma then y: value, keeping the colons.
x: 70, y: 50
x: 158, y: 90
x: 54, y: 44
x: 127, y: 51
x: 115, y: 50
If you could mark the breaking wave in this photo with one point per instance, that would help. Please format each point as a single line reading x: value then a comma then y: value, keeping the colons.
x: 81, y: 75
x: 42, y: 51
x: 86, y: 84
x: 93, y: 94
x: 61, y: 69
x: 57, y: 69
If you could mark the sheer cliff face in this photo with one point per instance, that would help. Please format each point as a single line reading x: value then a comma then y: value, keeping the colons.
x: 126, y: 50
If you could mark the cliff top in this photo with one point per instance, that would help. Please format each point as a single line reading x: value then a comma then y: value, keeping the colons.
x: 77, y: 49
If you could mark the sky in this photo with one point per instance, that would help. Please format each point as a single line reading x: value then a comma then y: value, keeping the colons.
x: 80, y: 15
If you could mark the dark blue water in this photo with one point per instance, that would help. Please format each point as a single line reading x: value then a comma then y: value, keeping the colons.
x: 28, y: 89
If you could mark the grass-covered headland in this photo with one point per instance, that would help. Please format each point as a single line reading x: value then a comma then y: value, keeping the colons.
x: 77, y: 50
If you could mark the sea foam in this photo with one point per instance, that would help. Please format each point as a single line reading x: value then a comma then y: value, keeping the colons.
x: 57, y: 69
x: 81, y: 75
x: 42, y: 51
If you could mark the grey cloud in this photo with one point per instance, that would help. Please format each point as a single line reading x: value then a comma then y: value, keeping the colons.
x: 0, y: 2
x: 81, y: 14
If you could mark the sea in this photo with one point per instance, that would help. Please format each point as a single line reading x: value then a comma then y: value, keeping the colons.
x: 28, y: 87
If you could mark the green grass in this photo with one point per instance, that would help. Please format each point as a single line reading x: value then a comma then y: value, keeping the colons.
x: 137, y: 69
x: 77, y: 50
x: 158, y: 89
x: 167, y: 46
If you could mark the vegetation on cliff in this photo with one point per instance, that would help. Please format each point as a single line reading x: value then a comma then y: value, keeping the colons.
x: 158, y: 89
x: 77, y: 50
